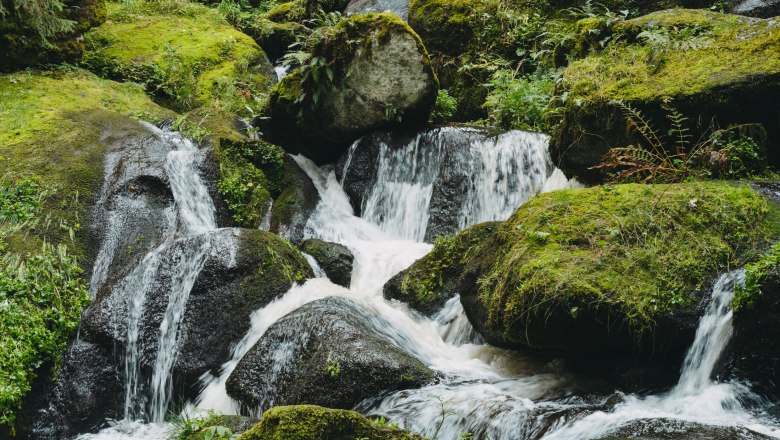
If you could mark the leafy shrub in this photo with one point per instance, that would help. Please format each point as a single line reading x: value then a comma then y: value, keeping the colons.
x: 41, y: 298
x: 43, y: 17
x: 519, y: 102
x: 444, y: 108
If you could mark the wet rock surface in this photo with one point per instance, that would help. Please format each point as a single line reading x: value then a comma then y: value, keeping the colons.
x: 335, y: 259
x: 329, y: 352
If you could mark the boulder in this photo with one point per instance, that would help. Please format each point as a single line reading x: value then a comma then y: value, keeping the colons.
x: 612, y: 278
x: 756, y: 8
x: 309, y: 422
x: 60, y: 142
x: 329, y: 352
x: 240, y: 271
x: 729, y: 74
x: 194, y: 58
x: 335, y: 259
x: 375, y: 73
x: 295, y: 203
x: 21, y: 46
x: 397, y: 7
x: 671, y: 429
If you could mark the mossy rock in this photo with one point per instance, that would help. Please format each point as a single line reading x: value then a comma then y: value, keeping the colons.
x: 21, y: 47
x: 55, y: 128
x: 428, y: 283
x: 309, y: 422
x: 608, y: 275
x: 727, y: 70
x: 375, y: 73
x: 190, y: 56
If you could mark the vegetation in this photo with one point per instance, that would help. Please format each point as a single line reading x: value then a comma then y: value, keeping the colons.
x: 44, y: 17
x: 181, y: 51
x: 41, y: 296
x: 768, y: 266
x: 308, y: 422
x: 726, y: 153
x: 430, y: 282
x: 645, y: 250
x: 211, y: 426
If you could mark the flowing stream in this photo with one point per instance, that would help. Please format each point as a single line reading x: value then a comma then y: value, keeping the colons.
x: 486, y: 391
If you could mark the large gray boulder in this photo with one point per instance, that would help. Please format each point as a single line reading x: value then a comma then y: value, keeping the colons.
x: 329, y: 352
x: 375, y: 73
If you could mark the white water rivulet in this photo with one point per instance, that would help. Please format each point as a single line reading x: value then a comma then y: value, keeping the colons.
x: 486, y: 391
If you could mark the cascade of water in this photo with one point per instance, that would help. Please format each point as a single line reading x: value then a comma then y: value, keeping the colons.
x: 483, y: 390
x: 696, y: 397
x: 193, y: 213
x: 495, y: 174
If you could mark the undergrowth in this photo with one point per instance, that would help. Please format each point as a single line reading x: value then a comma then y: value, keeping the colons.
x: 42, y: 295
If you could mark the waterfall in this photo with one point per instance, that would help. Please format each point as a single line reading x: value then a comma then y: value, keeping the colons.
x: 696, y: 397
x: 455, y: 175
x: 193, y: 214
x: 494, y: 174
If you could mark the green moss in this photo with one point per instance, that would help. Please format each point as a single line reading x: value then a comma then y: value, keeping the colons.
x: 252, y: 173
x: 431, y: 280
x: 308, y: 422
x: 282, y: 265
x: 643, y: 251
x: 191, y: 56
x: 764, y: 271
x: 703, y: 52
x: 52, y: 125
x: 289, y: 12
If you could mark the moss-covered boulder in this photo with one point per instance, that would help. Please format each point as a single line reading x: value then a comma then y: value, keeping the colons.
x: 34, y: 33
x: 606, y: 275
x: 329, y: 352
x: 427, y: 284
x: 189, y: 55
x: 334, y: 259
x: 56, y: 128
x: 309, y: 422
x: 372, y: 71
x: 710, y: 67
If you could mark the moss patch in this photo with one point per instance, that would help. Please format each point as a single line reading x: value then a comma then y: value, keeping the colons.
x: 308, y: 422
x: 52, y: 128
x: 644, y: 250
x: 699, y: 51
x: 433, y: 279
x: 190, y: 55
